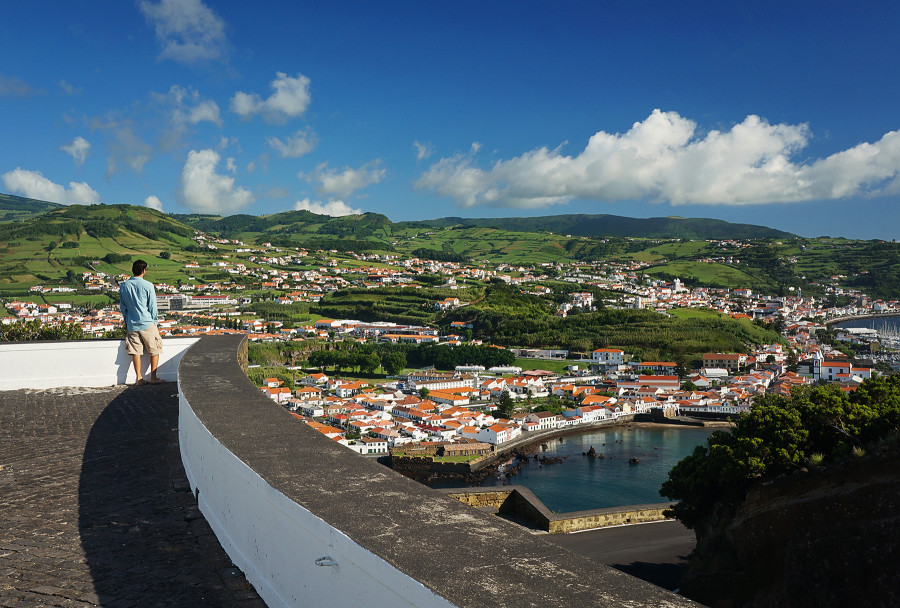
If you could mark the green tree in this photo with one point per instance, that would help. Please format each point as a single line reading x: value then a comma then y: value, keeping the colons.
x: 369, y: 362
x: 779, y: 435
x: 424, y: 392
x: 393, y: 362
x: 505, y: 404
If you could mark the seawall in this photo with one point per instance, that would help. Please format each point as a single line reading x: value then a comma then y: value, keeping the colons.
x: 518, y: 502
x: 526, y: 442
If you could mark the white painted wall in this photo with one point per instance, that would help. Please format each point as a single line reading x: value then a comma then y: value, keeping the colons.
x: 86, y: 363
x: 291, y: 556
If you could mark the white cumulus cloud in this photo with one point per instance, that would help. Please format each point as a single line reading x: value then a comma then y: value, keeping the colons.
x: 203, y: 190
x: 290, y: 99
x: 663, y: 158
x: 184, y: 109
x: 423, y: 151
x: 78, y: 150
x: 333, y: 208
x: 32, y: 184
x: 341, y: 184
x: 189, y: 108
x: 153, y: 202
x: 294, y: 146
x: 188, y: 30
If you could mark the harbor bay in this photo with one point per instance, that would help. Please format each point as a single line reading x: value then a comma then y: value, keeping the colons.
x: 882, y: 324
x: 566, y: 479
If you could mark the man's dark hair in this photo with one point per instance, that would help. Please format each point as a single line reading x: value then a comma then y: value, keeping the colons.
x: 138, y: 267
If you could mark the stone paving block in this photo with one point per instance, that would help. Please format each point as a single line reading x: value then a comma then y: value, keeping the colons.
x: 95, y: 509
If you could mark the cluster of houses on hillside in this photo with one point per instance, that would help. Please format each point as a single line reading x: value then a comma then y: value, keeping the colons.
x: 455, y: 408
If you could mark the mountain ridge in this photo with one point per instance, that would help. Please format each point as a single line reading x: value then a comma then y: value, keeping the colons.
x: 15, y: 208
x: 602, y: 225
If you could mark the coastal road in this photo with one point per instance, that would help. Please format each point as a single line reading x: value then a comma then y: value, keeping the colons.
x: 656, y: 552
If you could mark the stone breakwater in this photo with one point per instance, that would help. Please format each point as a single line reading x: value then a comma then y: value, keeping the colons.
x: 519, y: 503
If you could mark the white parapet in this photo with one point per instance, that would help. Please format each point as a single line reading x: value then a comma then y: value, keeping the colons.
x: 81, y: 363
x: 289, y: 554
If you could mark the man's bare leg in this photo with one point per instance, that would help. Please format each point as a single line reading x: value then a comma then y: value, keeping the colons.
x: 154, y: 363
x: 136, y: 361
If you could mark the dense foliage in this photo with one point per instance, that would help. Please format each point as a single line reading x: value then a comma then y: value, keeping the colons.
x: 781, y: 435
x: 511, y: 318
x: 393, y: 358
x: 35, y: 330
x: 115, y: 258
x: 879, y: 266
x: 446, y: 357
x: 399, y: 305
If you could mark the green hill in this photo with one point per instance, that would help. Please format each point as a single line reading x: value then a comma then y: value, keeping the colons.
x: 67, y: 240
x: 17, y: 209
x: 365, y: 232
x: 605, y: 225
x: 39, y: 241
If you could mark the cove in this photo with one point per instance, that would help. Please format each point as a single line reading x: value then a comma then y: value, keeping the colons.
x: 579, y: 483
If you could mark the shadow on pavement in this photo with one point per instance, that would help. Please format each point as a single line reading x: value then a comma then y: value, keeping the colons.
x: 667, y: 575
x: 144, y: 539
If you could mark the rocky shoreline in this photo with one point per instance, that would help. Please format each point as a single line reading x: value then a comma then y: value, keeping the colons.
x: 512, y: 458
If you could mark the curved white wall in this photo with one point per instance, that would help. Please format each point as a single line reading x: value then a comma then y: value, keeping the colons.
x: 287, y: 553
x: 85, y: 363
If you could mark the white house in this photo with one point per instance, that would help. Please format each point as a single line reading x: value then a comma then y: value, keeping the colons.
x: 545, y: 420
x: 498, y: 433
x: 608, y: 356
x: 371, y: 445
x: 593, y: 413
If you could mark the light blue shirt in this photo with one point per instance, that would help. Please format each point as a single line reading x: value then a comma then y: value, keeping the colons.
x: 137, y: 301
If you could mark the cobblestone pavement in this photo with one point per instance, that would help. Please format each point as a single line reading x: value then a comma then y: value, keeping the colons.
x: 95, y: 508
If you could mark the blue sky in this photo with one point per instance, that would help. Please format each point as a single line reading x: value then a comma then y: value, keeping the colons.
x: 774, y: 113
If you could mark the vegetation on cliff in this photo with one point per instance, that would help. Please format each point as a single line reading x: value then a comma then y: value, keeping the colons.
x: 780, y: 435
x: 511, y: 318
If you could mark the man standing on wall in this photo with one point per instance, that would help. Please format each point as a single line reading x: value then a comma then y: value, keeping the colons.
x: 137, y: 301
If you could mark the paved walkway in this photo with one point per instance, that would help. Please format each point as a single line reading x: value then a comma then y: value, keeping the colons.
x: 95, y: 508
x: 656, y: 552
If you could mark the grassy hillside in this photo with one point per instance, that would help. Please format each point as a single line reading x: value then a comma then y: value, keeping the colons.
x: 511, y: 319
x: 17, y: 209
x: 605, y: 225
x: 404, y: 305
x: 366, y: 232
x: 67, y: 241
x: 512, y: 240
x: 44, y: 240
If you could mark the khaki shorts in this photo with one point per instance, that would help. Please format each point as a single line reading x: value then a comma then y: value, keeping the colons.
x: 136, y: 341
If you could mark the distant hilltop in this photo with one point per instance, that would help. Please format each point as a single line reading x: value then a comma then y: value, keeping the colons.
x: 16, y: 208
x: 605, y: 225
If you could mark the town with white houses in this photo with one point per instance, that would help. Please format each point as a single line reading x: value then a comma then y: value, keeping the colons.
x: 458, y: 409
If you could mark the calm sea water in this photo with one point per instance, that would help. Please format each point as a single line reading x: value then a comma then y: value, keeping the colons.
x: 891, y: 324
x: 580, y: 483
